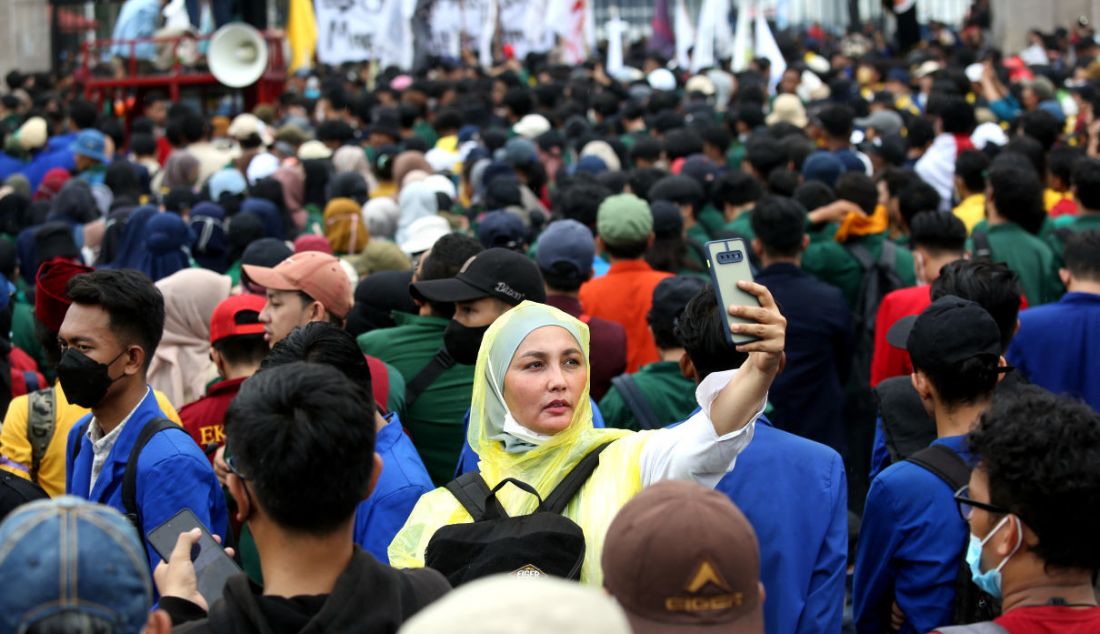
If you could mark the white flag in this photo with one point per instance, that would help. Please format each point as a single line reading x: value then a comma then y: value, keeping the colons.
x: 616, y: 27
x: 742, y: 39
x: 488, y: 32
x: 702, y: 53
x: 766, y: 46
x: 685, y: 34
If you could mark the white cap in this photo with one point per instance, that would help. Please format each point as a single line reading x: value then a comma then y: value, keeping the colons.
x: 926, y: 69
x: 33, y: 133
x: 313, y: 150
x: 987, y: 133
x: 700, y: 83
x: 246, y: 124
x: 503, y: 604
x: 441, y: 185
x: 662, y: 79
x: 423, y: 232
x: 442, y: 160
x: 531, y: 126
x: 261, y: 166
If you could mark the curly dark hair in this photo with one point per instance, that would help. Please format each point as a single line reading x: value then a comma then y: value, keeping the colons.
x: 1041, y: 453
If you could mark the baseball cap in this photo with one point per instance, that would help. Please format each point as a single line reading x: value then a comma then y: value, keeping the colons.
x: 92, y: 144
x: 531, y: 126
x: 667, y: 219
x: 314, y: 150
x: 884, y: 121
x: 566, y: 241
x: 70, y: 556
x: 950, y: 330
x: 501, y: 273
x: 238, y: 315
x: 502, y: 604
x: 671, y: 296
x: 705, y: 551
x: 424, y: 232
x: 624, y: 219
x: 501, y: 229
x: 316, y: 274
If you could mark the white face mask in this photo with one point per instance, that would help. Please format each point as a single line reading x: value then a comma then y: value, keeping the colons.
x: 513, y: 427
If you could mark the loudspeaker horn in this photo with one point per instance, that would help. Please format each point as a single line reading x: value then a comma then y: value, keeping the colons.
x: 237, y: 55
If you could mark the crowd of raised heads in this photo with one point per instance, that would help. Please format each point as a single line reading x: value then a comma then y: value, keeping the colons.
x: 807, y: 347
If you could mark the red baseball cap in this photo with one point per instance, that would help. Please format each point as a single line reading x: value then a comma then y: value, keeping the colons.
x: 316, y: 274
x: 238, y: 315
x: 51, y: 300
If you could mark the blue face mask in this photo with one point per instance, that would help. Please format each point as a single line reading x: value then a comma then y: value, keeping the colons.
x: 990, y: 580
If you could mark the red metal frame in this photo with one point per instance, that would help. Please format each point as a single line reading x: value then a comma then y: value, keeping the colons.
x: 265, y: 90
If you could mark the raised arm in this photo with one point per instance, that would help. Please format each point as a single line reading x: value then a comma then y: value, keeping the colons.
x: 738, y: 403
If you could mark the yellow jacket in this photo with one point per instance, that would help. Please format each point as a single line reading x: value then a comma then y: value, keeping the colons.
x: 15, y: 449
x: 971, y: 211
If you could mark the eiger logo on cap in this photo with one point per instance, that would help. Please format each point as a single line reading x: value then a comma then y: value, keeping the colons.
x: 504, y: 289
x: 706, y: 577
x: 530, y: 571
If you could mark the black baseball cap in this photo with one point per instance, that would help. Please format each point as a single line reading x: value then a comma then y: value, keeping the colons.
x: 501, y: 273
x: 671, y: 297
x: 949, y: 331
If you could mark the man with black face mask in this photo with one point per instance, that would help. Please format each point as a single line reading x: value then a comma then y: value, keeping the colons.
x: 488, y: 285
x: 109, y: 335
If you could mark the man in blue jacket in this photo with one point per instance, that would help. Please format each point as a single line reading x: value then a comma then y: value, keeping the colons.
x: 792, y: 490
x: 912, y: 536
x: 109, y: 335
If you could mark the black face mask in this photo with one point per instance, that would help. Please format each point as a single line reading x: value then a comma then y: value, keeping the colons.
x: 463, y: 342
x: 84, y: 379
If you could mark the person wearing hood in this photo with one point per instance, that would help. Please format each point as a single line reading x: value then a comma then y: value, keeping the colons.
x: 418, y: 200
x: 531, y: 420
x: 344, y: 226
x: 167, y: 246
x: 211, y: 243
x: 269, y: 216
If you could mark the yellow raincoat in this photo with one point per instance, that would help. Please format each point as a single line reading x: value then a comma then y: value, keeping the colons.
x: 617, y: 479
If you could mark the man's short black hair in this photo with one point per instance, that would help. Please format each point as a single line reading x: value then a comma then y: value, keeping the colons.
x: 783, y: 182
x: 993, y: 286
x: 916, y: 197
x: 751, y: 114
x: 1086, y: 181
x: 837, y: 121
x: 1082, y: 255
x: 735, y: 188
x: 1061, y: 161
x: 682, y: 190
x: 83, y: 114
x: 858, y: 188
x: 814, y: 195
x: 143, y: 144
x: 717, y: 137
x: 938, y: 232
x: 956, y: 114
x: 701, y: 330
x: 682, y: 143
x: 798, y: 147
x: 765, y: 154
x: 1018, y: 195
x: 134, y: 304
x: 642, y: 179
x: 921, y: 132
x: 444, y: 261
x: 321, y: 342
x: 581, y: 201
x: 520, y: 101
x: 302, y: 437
x: 970, y: 167
x: 1040, y: 453
x: 646, y: 149
x: 192, y: 127
x: 1028, y: 148
x: 780, y: 225
x: 1041, y: 126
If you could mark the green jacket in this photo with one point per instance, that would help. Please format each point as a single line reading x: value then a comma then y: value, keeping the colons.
x: 669, y: 394
x: 22, y: 336
x: 1029, y: 256
x: 436, y: 420
x: 741, y: 225
x: 711, y: 220
x: 1075, y: 224
x: 830, y: 262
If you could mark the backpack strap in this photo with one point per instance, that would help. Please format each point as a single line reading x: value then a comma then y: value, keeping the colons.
x: 30, y: 381
x: 570, y: 484
x: 861, y: 254
x: 906, y: 426
x: 944, y: 464
x: 982, y: 249
x: 129, y: 477
x: 81, y: 432
x: 473, y: 494
x: 636, y: 401
x: 40, y: 426
x: 440, y: 363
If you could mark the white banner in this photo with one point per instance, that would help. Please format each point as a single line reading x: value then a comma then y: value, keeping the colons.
x: 457, y: 23
x: 350, y: 30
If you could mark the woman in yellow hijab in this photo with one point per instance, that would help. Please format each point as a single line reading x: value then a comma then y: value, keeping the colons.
x: 531, y: 419
x: 344, y: 226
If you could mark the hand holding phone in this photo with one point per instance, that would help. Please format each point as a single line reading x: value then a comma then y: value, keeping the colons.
x: 728, y: 261
x: 197, y: 567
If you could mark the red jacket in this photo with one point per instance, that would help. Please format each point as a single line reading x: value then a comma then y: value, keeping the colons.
x: 204, y: 419
x: 624, y: 296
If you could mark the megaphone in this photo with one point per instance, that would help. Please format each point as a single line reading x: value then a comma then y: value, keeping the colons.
x: 237, y: 55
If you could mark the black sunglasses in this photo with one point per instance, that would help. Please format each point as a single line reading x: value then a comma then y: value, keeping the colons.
x: 967, y: 505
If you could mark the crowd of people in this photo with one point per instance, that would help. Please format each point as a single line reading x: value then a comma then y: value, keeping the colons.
x: 412, y: 345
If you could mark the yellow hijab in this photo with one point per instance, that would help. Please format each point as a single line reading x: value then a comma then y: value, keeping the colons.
x: 344, y: 226
x: 615, y: 481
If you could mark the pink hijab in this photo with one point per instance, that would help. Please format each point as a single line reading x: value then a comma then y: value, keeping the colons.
x: 293, y: 179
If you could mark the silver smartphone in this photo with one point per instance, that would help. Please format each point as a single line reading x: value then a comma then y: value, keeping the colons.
x: 728, y: 261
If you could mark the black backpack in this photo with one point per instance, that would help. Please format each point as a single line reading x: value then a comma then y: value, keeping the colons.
x: 542, y: 543
x: 879, y: 277
x: 972, y: 605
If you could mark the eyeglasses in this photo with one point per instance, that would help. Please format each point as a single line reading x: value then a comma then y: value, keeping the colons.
x: 231, y: 464
x: 967, y: 505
